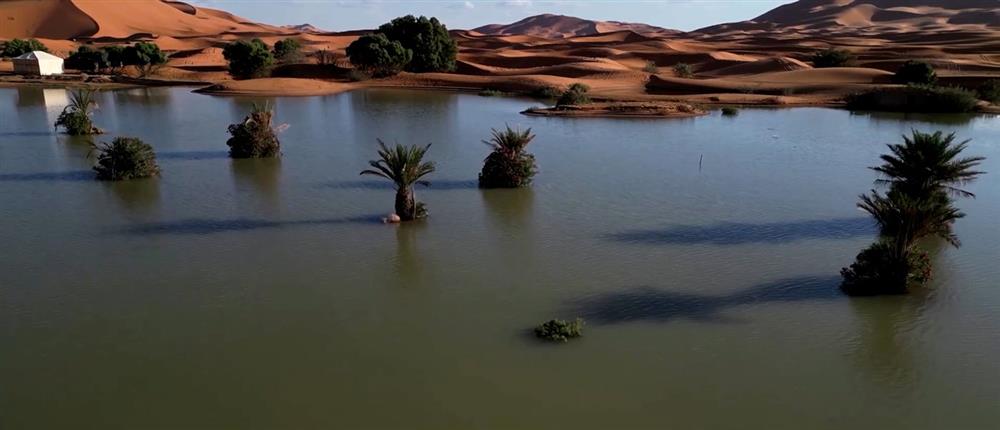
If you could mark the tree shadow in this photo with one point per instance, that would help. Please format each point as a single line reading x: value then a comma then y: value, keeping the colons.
x: 732, y: 233
x: 657, y: 305
x: 205, y: 226
x: 73, y: 176
x: 442, y: 185
x: 192, y: 155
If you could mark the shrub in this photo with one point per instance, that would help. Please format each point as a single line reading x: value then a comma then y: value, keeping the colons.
x: 576, y: 94
x: 433, y: 49
x: 683, y: 70
x: 125, y: 158
x: 832, y: 57
x: 254, y: 137
x: 248, y: 59
x: 86, y: 58
x: 75, y: 117
x: 730, y: 111
x: 559, y: 330
x: 355, y: 75
x: 546, y: 93
x: 650, y: 67
x: 325, y: 57
x: 115, y: 55
x: 377, y: 55
x: 508, y: 166
x: 990, y: 91
x: 145, y: 56
x: 489, y: 92
x: 914, y: 98
x: 288, y: 50
x: 877, y: 270
x: 915, y: 72
x: 18, y: 47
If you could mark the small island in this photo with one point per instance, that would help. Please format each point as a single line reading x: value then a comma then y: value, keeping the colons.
x: 621, y: 110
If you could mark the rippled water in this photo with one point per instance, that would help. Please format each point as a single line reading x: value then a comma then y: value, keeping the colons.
x: 703, y: 253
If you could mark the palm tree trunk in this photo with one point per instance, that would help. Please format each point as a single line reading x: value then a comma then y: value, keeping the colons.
x: 406, y: 206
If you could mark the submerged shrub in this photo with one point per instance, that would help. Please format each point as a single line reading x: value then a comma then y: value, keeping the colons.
x: 730, y: 111
x: 576, y: 94
x: 508, y: 166
x: 915, y: 98
x: 683, y: 70
x: 75, y: 117
x: 125, y: 158
x: 254, y: 137
x: 990, y: 91
x: 915, y: 72
x: 832, y: 57
x: 879, y: 270
x: 559, y: 330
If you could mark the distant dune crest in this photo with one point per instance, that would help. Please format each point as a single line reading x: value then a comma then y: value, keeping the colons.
x: 552, y: 26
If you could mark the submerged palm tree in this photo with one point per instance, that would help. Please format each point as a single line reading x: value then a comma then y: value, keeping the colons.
x: 125, y: 158
x: 508, y: 166
x: 255, y: 137
x: 404, y: 166
x: 927, y: 163
x: 75, y: 117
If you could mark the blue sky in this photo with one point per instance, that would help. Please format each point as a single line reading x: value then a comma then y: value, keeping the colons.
x: 338, y: 15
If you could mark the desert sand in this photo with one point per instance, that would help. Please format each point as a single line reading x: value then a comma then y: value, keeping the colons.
x: 761, y: 61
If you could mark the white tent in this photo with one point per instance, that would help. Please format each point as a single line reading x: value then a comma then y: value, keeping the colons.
x: 38, y: 63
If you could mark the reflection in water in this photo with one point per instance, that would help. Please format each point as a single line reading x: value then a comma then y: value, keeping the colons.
x: 883, y: 345
x: 408, y: 262
x: 260, y: 177
x: 144, y: 97
x: 509, y: 207
x: 937, y: 118
x: 138, y: 195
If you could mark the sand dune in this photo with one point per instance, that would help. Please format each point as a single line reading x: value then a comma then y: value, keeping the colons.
x: 551, y: 26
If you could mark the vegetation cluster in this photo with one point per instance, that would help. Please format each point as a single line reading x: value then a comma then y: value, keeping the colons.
x: 509, y: 165
x: 417, y: 45
x: 559, y: 330
x: 144, y: 56
x: 125, y: 158
x: 255, y: 137
x: 18, y: 47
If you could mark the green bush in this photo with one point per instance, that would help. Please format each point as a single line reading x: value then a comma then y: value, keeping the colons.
x: 914, y: 98
x: 18, y: 47
x: 576, y: 94
x: 650, y: 67
x: 683, y: 70
x: 559, y: 330
x: 145, y: 56
x: 990, y: 91
x: 75, y: 117
x: 254, y: 137
x: 288, y: 50
x: 125, y: 158
x: 489, y: 92
x: 508, y: 166
x: 433, y: 49
x: 832, y: 57
x: 915, y: 72
x: 546, y: 93
x: 88, y: 59
x: 115, y: 55
x: 877, y: 271
x: 730, y: 111
x: 375, y: 54
x: 248, y: 59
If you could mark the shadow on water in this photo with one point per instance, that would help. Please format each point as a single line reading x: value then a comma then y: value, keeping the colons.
x: 74, y: 176
x: 192, y: 155
x: 658, y: 305
x: 138, y: 195
x: 731, y: 233
x: 439, y: 185
x: 262, y: 175
x: 205, y: 226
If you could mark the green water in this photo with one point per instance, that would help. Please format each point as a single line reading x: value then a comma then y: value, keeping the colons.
x: 703, y: 253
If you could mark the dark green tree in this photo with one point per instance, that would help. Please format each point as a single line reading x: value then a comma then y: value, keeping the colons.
x: 915, y: 72
x: 145, y: 56
x: 116, y: 57
x: 18, y: 47
x: 288, y: 50
x: 377, y: 55
x: 832, y: 57
x: 433, y: 48
x: 248, y: 58
x: 404, y: 166
x: 88, y: 59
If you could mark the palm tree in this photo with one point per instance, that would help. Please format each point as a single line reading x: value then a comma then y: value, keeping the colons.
x: 255, y: 137
x: 75, y: 117
x: 508, y: 166
x: 404, y: 166
x: 927, y: 163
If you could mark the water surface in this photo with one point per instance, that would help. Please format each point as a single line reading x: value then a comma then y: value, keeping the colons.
x: 704, y: 254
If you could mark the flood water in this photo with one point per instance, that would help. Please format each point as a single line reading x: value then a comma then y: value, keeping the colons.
x: 703, y: 253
